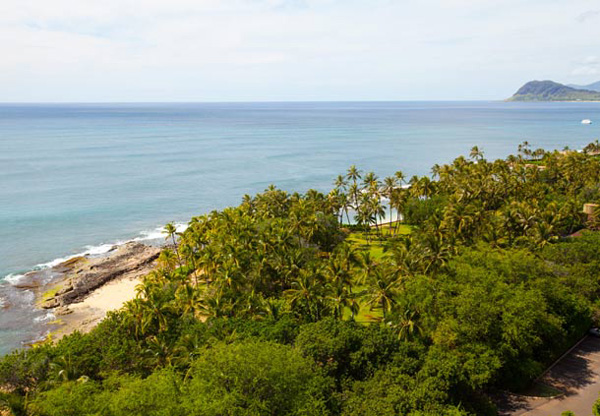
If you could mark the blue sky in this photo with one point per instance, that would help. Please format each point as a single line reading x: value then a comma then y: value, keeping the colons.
x: 279, y: 50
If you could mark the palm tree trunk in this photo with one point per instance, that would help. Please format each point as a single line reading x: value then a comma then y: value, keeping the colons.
x: 176, y: 250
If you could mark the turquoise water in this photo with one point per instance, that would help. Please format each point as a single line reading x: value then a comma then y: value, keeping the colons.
x: 74, y: 177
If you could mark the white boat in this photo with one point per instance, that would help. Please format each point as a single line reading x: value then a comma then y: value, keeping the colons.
x: 586, y: 121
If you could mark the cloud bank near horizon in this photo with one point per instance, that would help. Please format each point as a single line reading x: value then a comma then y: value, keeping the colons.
x: 261, y: 50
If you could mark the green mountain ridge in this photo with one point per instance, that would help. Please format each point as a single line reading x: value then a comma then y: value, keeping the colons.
x: 552, y: 91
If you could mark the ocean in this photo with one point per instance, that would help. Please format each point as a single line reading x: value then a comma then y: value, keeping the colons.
x: 78, y: 178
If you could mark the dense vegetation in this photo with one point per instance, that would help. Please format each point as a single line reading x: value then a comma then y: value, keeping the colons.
x: 280, y: 306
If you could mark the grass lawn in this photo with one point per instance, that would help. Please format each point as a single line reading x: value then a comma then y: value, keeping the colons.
x: 365, y: 315
x: 375, y: 244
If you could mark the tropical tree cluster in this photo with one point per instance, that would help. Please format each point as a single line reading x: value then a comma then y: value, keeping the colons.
x: 271, y: 307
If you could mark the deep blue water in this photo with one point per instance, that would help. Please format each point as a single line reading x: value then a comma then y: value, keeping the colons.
x: 78, y: 175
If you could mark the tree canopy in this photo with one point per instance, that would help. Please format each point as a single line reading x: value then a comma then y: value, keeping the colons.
x: 302, y: 304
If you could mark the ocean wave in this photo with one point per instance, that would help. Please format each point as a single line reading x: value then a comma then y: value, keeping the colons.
x: 98, y: 250
x: 47, y: 317
x: 13, y: 278
x: 158, y: 233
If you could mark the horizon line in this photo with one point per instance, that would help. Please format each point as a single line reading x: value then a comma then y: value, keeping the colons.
x: 244, y: 101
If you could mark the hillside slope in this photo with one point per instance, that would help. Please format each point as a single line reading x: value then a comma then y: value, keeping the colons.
x: 552, y: 91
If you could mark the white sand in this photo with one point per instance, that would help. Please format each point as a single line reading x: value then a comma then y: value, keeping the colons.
x: 88, y: 313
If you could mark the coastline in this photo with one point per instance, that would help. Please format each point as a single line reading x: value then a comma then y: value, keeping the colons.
x: 24, y: 322
x: 77, y: 293
x: 88, y: 288
x: 85, y: 315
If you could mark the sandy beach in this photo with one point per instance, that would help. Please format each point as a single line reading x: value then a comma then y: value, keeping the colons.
x: 87, y: 314
x: 88, y: 288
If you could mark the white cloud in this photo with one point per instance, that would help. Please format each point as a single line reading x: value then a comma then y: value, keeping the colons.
x: 588, y: 66
x: 90, y: 50
x: 588, y: 15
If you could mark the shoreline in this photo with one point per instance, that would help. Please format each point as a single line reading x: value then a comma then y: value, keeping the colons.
x: 88, y: 288
x: 77, y: 293
x: 88, y: 313
x: 24, y: 323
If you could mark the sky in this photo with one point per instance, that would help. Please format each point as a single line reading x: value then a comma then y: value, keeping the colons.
x: 291, y: 50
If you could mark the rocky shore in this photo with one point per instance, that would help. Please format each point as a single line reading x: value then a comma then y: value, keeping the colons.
x: 81, y: 275
x: 80, y: 291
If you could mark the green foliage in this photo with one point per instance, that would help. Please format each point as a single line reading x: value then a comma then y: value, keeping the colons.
x: 72, y: 398
x: 157, y: 395
x: 254, y: 309
x: 13, y: 402
x: 392, y: 391
x: 255, y: 378
x: 346, y: 349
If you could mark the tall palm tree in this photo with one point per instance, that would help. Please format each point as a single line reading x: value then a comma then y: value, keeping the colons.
x: 390, y: 184
x: 525, y: 149
x: 305, y: 295
x: 476, y: 154
x: 340, y: 182
x: 383, y: 287
x: 354, y: 174
x: 171, y: 232
x: 400, y: 176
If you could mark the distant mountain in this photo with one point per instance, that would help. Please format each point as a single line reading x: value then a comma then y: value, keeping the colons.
x: 590, y: 87
x: 552, y: 91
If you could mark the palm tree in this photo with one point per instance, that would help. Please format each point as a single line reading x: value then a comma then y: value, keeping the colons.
x: 340, y: 182
x: 399, y: 199
x: 383, y: 286
x: 335, y: 198
x: 407, y: 325
x: 378, y: 211
x: 367, y: 267
x: 525, y: 149
x: 188, y: 299
x: 171, y: 231
x: 476, y: 154
x: 354, y: 175
x: 305, y: 295
x: 388, y: 190
x: 538, y: 154
x: 400, y: 176
x: 167, y: 259
x: 371, y: 182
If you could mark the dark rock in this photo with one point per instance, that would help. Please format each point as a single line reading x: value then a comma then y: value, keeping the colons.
x: 131, y: 260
